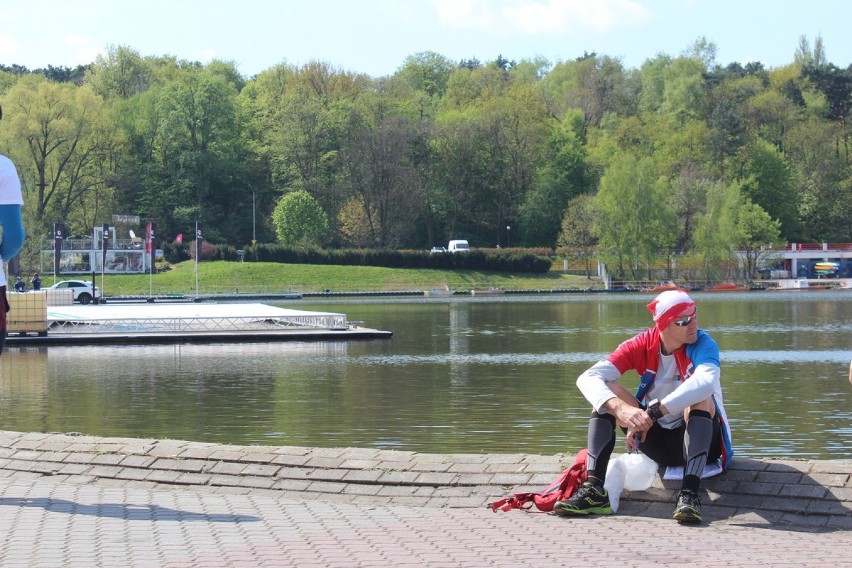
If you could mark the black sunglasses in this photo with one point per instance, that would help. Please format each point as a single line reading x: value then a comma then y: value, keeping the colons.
x: 686, y: 321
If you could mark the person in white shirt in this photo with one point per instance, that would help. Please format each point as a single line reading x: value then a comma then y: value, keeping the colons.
x: 677, y: 416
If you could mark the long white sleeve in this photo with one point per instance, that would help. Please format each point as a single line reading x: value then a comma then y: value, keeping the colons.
x: 593, y: 383
x: 701, y: 385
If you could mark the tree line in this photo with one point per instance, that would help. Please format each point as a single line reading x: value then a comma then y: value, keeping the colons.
x: 681, y: 155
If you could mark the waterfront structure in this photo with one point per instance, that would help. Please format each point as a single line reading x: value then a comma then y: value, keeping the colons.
x: 103, y: 252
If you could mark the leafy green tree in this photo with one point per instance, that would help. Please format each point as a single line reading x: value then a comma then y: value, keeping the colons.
x: 684, y: 92
x: 564, y: 175
x: 300, y: 221
x: 121, y: 72
x: 380, y: 177
x: 311, y: 124
x: 768, y: 182
x: 199, y: 144
x: 428, y: 72
x: 653, y: 82
x: 805, y: 55
x: 687, y: 194
x: 756, y: 232
x: 439, y: 150
x: 354, y: 225
x: 458, y: 173
x: 715, y: 236
x: 836, y: 85
x: 770, y: 115
x: 594, y: 84
x: 635, y: 219
x: 62, y: 144
x: 725, y: 134
x: 577, y: 237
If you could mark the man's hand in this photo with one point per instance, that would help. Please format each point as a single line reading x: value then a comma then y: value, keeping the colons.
x: 633, y: 440
x: 631, y: 417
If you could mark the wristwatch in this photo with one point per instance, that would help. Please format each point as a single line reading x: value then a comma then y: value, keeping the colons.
x: 654, y: 411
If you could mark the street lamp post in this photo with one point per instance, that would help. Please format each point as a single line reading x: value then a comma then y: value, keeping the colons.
x: 508, y: 240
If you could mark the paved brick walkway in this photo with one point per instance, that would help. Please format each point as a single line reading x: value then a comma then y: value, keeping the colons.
x: 83, y: 501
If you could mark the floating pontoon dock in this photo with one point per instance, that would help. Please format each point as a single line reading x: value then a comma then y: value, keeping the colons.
x: 191, y: 322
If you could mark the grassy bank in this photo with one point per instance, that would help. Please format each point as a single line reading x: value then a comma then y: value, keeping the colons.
x: 261, y: 277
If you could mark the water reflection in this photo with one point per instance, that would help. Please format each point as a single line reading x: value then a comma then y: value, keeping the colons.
x: 459, y: 375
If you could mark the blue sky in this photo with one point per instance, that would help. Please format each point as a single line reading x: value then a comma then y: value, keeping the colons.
x: 375, y: 36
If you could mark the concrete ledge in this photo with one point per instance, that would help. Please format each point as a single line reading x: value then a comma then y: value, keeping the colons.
x: 807, y: 493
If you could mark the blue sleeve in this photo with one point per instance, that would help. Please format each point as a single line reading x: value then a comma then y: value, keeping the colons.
x: 704, y: 350
x: 13, y: 231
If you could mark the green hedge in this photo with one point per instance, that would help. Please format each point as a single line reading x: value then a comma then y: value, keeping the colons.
x: 521, y: 262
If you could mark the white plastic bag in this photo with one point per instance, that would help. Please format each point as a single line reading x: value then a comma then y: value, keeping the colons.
x: 634, y: 472
x: 641, y: 471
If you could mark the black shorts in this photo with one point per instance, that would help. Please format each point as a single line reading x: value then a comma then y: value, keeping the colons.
x: 665, y: 446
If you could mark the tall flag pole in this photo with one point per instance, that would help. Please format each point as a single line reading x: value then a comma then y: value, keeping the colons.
x: 149, y: 250
x: 198, y: 239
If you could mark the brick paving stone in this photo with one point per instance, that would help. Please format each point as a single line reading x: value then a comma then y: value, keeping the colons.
x: 194, y: 465
x: 382, y: 514
x: 362, y: 476
x: 326, y: 474
x: 27, y: 455
x: 108, y: 459
x: 324, y: 462
x: 465, y: 468
x: 255, y: 481
x: 227, y: 468
x: 467, y: 458
x: 163, y: 476
x: 398, y: 477
x: 104, y: 471
x: 359, y: 463
x: 79, y: 457
x: 290, y: 460
x: 73, y: 468
x: 136, y: 461
x: 395, y: 455
x: 256, y: 456
x: 433, y: 478
x: 832, y: 466
x: 135, y: 474
x: 512, y: 479
x: 227, y: 455
x: 260, y: 469
x: 476, y: 479
x: 193, y: 479
x: 504, y: 468
x: 292, y: 484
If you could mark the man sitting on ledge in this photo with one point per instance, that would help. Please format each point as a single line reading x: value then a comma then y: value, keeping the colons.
x: 684, y: 422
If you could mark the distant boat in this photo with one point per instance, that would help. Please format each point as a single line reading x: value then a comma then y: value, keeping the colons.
x: 727, y: 287
x: 439, y: 292
x: 487, y: 292
x: 800, y: 284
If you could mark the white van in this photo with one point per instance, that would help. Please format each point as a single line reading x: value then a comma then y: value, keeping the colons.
x: 458, y: 246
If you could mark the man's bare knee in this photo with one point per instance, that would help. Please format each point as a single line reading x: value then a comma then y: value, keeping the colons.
x: 705, y: 405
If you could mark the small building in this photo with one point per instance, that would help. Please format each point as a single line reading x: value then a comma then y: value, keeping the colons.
x: 807, y: 260
x: 84, y: 255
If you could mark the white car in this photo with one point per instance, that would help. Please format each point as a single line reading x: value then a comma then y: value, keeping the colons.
x: 83, y: 292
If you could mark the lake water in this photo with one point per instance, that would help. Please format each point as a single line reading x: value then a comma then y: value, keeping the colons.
x: 460, y: 374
